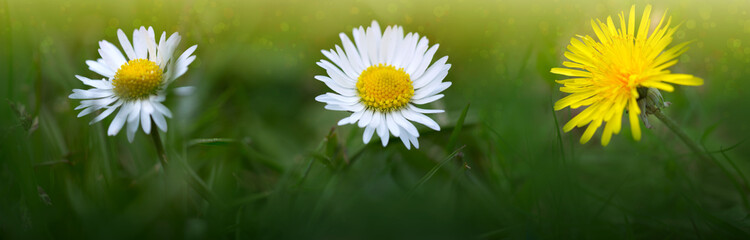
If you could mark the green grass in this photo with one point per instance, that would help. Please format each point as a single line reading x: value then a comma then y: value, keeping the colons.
x: 254, y: 156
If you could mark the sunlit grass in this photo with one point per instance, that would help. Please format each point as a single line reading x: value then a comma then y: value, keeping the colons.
x: 274, y: 165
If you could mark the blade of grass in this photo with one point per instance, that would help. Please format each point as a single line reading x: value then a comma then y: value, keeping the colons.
x: 437, y: 167
x: 718, y: 222
x: 724, y: 170
x: 198, y: 184
x: 210, y: 141
x: 10, y: 51
x: 736, y: 169
x: 238, y: 222
x: 559, y: 136
x: 729, y: 148
x: 50, y: 163
x: 249, y: 152
x: 249, y: 199
x: 457, y: 129
x: 312, y: 159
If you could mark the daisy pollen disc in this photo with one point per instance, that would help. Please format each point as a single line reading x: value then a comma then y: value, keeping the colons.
x: 385, y: 88
x: 137, y: 79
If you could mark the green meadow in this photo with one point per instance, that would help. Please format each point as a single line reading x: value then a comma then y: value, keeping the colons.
x: 253, y: 155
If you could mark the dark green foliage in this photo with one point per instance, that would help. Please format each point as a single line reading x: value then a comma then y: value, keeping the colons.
x: 252, y: 155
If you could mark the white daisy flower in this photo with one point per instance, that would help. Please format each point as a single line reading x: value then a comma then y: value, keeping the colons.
x: 379, y: 78
x: 136, y: 84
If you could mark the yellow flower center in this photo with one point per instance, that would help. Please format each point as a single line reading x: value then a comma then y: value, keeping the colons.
x: 385, y: 88
x: 137, y: 79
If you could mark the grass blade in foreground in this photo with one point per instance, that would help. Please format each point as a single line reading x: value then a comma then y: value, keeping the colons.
x: 457, y: 129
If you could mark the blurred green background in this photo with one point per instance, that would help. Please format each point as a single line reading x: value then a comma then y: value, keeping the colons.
x: 279, y: 170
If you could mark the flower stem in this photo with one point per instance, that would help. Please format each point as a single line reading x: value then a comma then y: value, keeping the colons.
x: 681, y: 134
x: 159, y: 146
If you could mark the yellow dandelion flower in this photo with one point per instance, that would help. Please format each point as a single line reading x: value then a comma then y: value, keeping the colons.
x: 605, y: 74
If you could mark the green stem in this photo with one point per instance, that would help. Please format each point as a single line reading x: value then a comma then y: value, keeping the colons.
x: 159, y: 146
x: 681, y: 134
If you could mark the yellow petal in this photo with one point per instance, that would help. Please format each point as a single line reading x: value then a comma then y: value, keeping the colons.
x: 572, y: 98
x: 659, y: 85
x: 631, y: 21
x: 579, y: 120
x: 644, y: 24
x: 607, y: 134
x: 683, y: 79
x: 590, y: 131
x: 635, y: 125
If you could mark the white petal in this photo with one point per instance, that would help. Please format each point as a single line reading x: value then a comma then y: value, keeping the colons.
x: 405, y: 48
x: 425, y: 62
x: 184, y: 91
x: 101, y: 68
x: 421, y: 118
x: 398, y: 117
x: 373, y: 43
x: 111, y: 55
x: 366, y: 118
x: 350, y: 108
x: 96, y: 103
x: 332, y: 98
x: 392, y: 126
x: 161, y: 108
x: 427, y: 99
x: 419, y: 110
x: 343, y: 121
x: 360, y: 39
x: 351, y: 53
x: 159, y: 120
x: 335, y: 57
x: 126, y: 46
x: 376, y: 120
x: 87, y: 111
x: 351, y: 118
x: 171, y: 45
x: 107, y: 112
x: 101, y: 84
x: 151, y: 44
x: 337, y: 75
x: 416, y: 60
x: 135, y: 111
x: 346, y: 65
x: 139, y: 43
x: 133, y: 124
x: 335, y: 87
x: 432, y: 73
x: 414, y: 141
x: 383, y: 131
x: 119, y: 120
x: 385, y: 43
x: 90, y: 93
x: 405, y: 139
x: 182, y: 63
x: 146, y: 111
x: 160, y: 50
x: 396, y: 39
x: 356, y: 116
x: 367, y: 135
x: 431, y: 90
